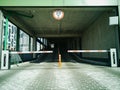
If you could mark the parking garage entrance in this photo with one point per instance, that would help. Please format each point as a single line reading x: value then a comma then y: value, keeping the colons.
x: 81, y: 28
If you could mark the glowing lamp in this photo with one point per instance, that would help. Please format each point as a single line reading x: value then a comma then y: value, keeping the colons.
x: 58, y: 14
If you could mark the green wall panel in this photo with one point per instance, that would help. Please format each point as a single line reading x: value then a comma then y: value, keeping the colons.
x: 26, y: 3
x: 90, y: 2
x: 58, y: 2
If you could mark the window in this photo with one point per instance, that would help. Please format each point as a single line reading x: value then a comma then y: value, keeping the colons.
x: 11, y: 36
x: 24, y: 41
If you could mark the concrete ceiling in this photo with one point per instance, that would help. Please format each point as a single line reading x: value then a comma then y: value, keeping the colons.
x: 42, y: 24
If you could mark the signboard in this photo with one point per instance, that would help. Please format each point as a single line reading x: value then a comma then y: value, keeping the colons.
x: 113, y: 20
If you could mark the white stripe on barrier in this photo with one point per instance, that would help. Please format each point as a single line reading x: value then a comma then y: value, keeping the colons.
x: 77, y: 51
x: 31, y: 52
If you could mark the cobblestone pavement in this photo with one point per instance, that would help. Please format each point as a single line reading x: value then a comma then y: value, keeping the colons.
x: 71, y: 76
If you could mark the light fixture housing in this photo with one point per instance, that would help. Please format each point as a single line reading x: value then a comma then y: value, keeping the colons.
x: 58, y: 14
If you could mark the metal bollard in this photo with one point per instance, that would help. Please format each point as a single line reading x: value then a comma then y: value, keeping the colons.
x: 113, y: 57
x: 5, y: 64
x: 59, y: 61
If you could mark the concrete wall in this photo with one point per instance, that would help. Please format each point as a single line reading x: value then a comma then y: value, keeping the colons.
x: 99, y: 36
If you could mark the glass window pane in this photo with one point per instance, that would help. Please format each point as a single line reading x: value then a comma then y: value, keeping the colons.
x: 24, y: 41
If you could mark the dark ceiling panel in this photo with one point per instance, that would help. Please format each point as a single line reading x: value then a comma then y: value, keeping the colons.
x: 75, y: 20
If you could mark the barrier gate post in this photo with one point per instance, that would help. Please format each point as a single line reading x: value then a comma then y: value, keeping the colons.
x: 5, y: 64
x: 113, y: 57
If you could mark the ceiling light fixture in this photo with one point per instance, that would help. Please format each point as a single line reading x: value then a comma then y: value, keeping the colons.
x: 58, y: 14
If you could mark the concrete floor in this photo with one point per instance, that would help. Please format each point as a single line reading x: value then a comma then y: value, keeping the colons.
x: 48, y: 76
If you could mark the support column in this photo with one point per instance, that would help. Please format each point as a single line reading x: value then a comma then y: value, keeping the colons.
x: 78, y: 45
x: 74, y: 42
x: 118, y: 31
x: 34, y: 46
x: 18, y: 40
x: 6, y: 34
x: 68, y: 44
x: 117, y: 44
x: 71, y: 43
x: 29, y: 43
x: 1, y: 34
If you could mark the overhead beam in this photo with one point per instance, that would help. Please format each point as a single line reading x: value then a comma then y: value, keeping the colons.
x: 58, y: 2
x: 58, y: 35
x: 17, y: 21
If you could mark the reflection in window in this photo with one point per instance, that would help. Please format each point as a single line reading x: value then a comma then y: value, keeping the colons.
x: 24, y: 41
x: 11, y: 35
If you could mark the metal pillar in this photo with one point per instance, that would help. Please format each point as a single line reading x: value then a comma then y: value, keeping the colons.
x: 68, y: 45
x: 73, y: 43
x: 34, y: 46
x: 6, y: 34
x: 1, y: 34
x: 29, y: 43
x: 78, y: 46
x: 17, y: 40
